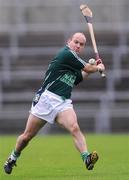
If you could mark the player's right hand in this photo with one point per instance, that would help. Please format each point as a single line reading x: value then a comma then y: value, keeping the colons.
x: 101, y: 67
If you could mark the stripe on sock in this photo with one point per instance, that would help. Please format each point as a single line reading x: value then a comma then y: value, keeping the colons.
x: 84, y: 155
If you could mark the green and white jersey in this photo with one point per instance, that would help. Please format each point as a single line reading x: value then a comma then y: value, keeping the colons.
x: 63, y: 73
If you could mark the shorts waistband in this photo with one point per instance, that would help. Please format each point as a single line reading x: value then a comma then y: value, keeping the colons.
x: 53, y: 94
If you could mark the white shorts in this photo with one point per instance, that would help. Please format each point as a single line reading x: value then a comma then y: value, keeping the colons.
x: 49, y: 105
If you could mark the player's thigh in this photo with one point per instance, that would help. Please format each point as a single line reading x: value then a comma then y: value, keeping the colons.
x: 67, y: 118
x: 34, y: 124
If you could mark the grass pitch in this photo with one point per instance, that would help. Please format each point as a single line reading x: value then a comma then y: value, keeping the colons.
x: 55, y: 158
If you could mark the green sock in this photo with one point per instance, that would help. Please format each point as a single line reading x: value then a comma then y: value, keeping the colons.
x: 84, y: 155
x: 15, y: 154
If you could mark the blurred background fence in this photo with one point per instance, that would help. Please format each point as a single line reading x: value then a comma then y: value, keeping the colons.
x: 32, y: 31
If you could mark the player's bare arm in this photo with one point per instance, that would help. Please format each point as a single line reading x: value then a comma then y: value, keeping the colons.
x: 89, y: 68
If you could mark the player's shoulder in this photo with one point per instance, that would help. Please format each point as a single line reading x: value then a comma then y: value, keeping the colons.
x: 65, y: 49
x: 69, y: 52
x: 65, y: 52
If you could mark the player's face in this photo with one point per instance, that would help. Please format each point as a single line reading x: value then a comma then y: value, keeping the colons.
x: 77, y: 42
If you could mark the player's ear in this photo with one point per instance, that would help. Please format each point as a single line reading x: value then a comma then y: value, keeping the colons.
x: 69, y: 40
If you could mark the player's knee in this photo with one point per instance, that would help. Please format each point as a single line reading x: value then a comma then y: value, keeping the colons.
x: 75, y: 129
